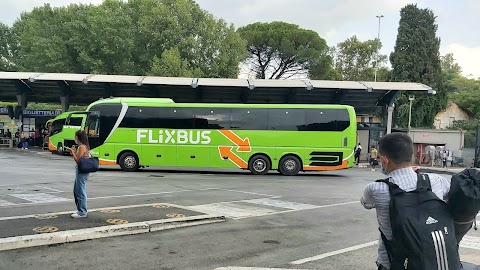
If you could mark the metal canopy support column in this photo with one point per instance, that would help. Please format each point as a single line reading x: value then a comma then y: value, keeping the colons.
x: 389, y: 118
x: 109, y: 90
x: 22, y: 90
x: 66, y: 91
x: 388, y: 100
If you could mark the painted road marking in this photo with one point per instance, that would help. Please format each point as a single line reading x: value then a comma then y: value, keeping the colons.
x: 470, y: 242
x: 333, y: 253
x: 47, y: 229
x: 250, y: 268
x: 161, y: 206
x: 232, y: 210
x: 173, y: 215
x: 235, y: 210
x: 110, y: 211
x: 117, y: 221
x: 40, y: 197
x: 282, y: 204
x: 46, y: 216
x: 5, y: 203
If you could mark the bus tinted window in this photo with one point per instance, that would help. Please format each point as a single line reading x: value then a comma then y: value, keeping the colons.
x: 141, y: 117
x: 249, y: 119
x: 75, y: 121
x: 343, y: 119
x: 321, y: 120
x: 327, y: 119
x: 286, y: 119
x: 211, y: 118
x: 176, y: 118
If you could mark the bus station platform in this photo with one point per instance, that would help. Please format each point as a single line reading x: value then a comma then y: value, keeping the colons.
x: 59, y: 228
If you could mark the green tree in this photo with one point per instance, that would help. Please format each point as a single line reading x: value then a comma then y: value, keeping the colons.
x: 280, y: 50
x: 416, y: 58
x: 7, y: 48
x: 357, y: 60
x: 171, y: 64
x: 124, y: 37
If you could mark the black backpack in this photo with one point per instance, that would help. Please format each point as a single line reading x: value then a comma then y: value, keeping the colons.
x: 423, y: 235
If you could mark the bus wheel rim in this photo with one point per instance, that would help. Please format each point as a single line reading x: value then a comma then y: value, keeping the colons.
x: 290, y: 165
x: 259, y: 165
x: 130, y: 162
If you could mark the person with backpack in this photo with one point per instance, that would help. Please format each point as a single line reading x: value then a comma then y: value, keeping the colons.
x: 358, y: 152
x: 416, y: 227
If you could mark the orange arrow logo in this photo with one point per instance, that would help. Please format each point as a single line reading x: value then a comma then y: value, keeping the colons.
x: 226, y: 153
x: 243, y: 144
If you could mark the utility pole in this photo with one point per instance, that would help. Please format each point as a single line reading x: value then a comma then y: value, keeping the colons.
x: 378, y: 45
x: 411, y: 99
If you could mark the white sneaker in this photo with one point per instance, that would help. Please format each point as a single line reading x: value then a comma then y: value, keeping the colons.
x: 373, y: 170
x: 76, y: 215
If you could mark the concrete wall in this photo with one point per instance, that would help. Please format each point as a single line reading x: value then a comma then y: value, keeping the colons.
x: 363, y: 137
x: 452, y: 139
x: 445, y: 119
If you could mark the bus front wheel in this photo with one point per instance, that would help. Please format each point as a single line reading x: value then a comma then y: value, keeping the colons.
x: 289, y: 165
x: 259, y: 165
x: 129, y: 162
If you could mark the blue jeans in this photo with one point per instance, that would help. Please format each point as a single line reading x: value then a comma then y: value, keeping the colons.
x: 25, y: 144
x: 80, y: 192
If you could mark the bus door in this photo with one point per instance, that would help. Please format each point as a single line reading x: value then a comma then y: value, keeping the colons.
x: 92, y: 128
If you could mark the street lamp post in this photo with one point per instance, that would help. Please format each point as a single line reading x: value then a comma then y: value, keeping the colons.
x: 411, y: 99
x: 378, y: 45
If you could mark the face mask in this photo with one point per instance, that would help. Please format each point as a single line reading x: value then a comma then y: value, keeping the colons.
x: 76, y: 141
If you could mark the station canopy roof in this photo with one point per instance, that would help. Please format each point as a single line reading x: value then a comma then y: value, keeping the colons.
x: 83, y: 89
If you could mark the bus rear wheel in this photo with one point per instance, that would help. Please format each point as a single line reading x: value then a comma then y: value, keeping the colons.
x: 289, y: 165
x: 129, y: 162
x: 259, y: 165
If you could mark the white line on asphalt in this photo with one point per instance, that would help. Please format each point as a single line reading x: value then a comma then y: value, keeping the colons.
x: 49, y: 188
x: 333, y: 253
x: 246, y: 192
x: 112, y: 197
x: 250, y: 268
x: 296, y: 210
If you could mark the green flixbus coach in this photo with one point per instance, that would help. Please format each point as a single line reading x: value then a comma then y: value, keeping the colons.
x: 62, y: 134
x: 143, y: 132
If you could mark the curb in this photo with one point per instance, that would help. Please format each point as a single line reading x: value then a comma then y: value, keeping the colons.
x: 63, y: 237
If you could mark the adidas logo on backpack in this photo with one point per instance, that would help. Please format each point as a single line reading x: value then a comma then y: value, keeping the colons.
x: 420, y: 241
x: 431, y: 220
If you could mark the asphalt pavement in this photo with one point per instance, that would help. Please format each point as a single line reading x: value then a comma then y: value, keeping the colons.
x: 310, y: 221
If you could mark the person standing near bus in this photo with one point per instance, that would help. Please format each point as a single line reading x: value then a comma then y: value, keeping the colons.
x: 358, y: 152
x: 373, y: 158
x: 80, y: 186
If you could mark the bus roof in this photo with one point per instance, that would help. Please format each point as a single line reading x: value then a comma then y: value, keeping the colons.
x: 152, y: 102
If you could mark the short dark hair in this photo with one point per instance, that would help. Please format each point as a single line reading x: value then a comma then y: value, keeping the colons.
x: 398, y: 147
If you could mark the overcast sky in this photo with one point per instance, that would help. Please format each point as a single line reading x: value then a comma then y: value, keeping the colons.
x: 334, y: 20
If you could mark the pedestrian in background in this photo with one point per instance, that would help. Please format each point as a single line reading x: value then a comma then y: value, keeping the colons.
x: 358, y: 152
x: 373, y: 158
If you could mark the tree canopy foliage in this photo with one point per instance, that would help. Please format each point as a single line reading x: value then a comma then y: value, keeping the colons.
x: 137, y: 37
x: 356, y: 60
x: 416, y: 58
x: 279, y: 50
